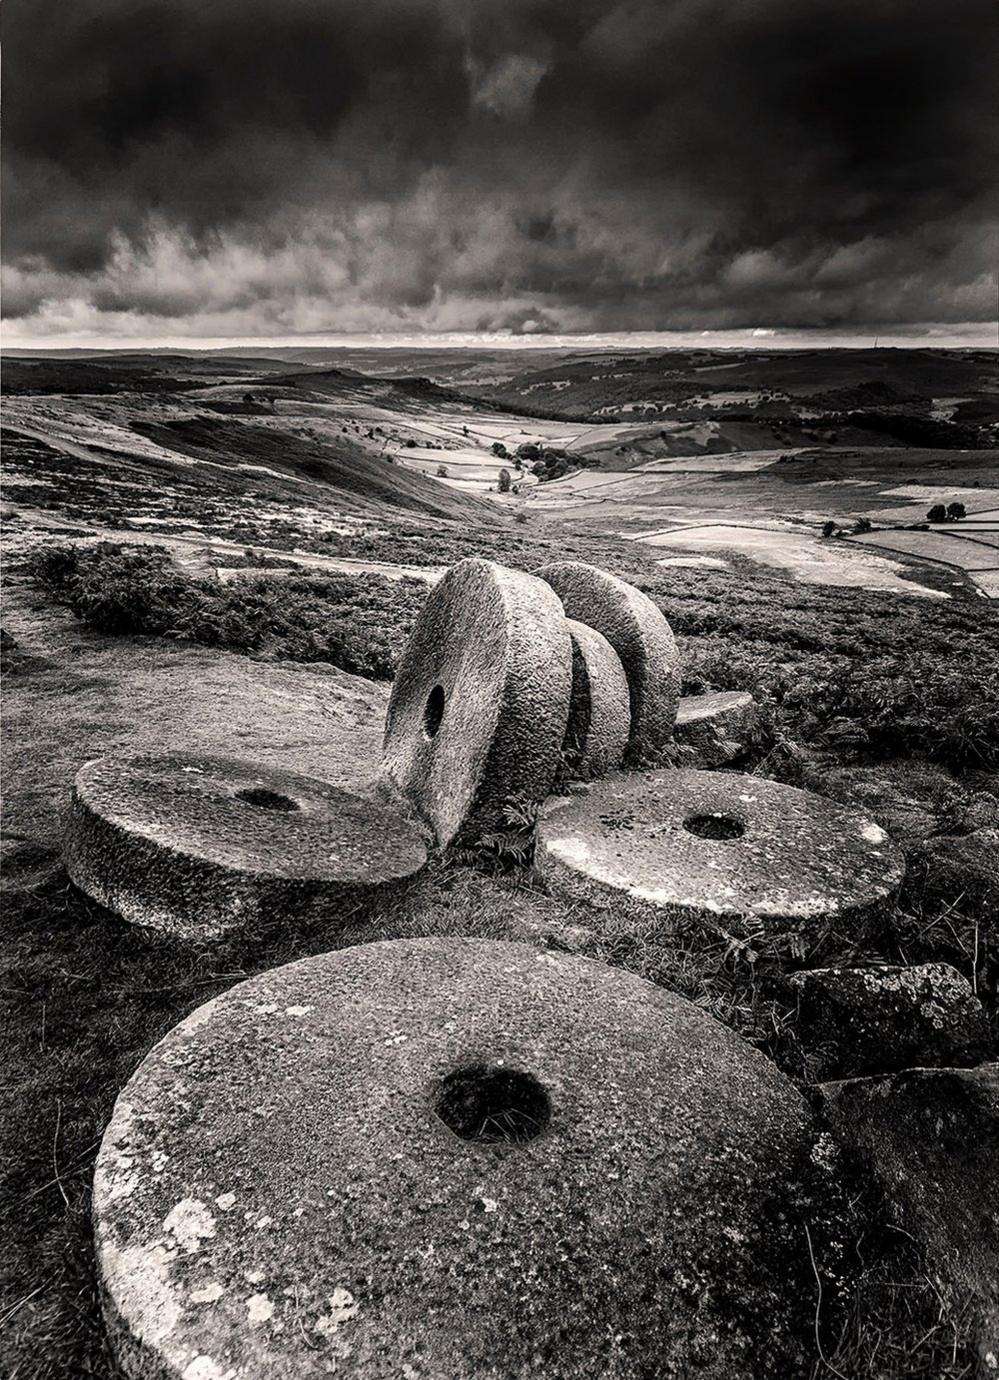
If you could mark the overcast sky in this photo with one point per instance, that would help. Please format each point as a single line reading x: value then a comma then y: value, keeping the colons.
x: 258, y: 168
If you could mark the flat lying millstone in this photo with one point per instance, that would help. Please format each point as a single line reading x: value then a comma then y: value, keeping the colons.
x: 480, y: 701
x: 854, y: 1021
x: 200, y: 847
x: 642, y: 638
x: 717, y: 727
x: 739, y: 852
x: 596, y: 735
x: 455, y: 1158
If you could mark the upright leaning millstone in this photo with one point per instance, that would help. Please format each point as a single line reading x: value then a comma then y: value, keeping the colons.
x: 480, y: 700
x: 452, y: 1158
x: 733, y: 851
x: 201, y: 847
x: 596, y: 735
x: 642, y: 638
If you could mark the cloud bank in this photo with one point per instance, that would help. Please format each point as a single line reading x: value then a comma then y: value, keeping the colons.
x: 270, y: 167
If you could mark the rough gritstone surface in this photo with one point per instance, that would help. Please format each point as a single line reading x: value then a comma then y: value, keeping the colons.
x: 599, y: 711
x: 749, y: 855
x: 277, y: 1196
x: 931, y: 1139
x: 203, y: 846
x: 717, y: 727
x: 855, y: 1021
x: 642, y: 638
x: 480, y: 701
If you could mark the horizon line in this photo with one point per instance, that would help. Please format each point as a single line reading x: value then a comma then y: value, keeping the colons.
x: 958, y: 335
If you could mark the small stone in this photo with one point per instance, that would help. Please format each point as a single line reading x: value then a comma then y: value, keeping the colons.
x: 202, y: 847
x: 637, y: 630
x: 717, y: 727
x: 480, y: 700
x: 599, y: 711
x: 747, y: 856
x: 930, y: 1137
x: 555, y: 1136
x: 856, y: 1021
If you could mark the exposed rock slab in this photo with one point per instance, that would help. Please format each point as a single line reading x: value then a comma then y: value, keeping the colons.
x: 717, y: 727
x: 85, y: 695
x: 480, y: 701
x: 931, y: 1139
x: 200, y: 847
x: 740, y: 853
x: 596, y: 735
x: 855, y: 1021
x: 452, y: 1158
x: 637, y: 630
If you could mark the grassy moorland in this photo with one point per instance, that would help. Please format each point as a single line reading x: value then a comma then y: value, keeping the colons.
x: 884, y: 700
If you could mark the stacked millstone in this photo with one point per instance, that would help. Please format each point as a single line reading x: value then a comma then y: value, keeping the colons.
x: 430, y: 1158
x: 511, y: 682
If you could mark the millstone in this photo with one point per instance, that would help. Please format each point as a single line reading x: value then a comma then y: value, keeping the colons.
x: 203, y: 846
x: 455, y: 1158
x: 480, y: 700
x: 736, y: 851
x: 599, y: 713
x: 642, y: 638
x: 717, y: 726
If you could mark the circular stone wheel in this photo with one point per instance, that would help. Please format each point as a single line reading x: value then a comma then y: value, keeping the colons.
x: 736, y: 851
x: 480, y: 700
x: 202, y: 846
x: 599, y: 712
x: 454, y: 1158
x: 642, y: 638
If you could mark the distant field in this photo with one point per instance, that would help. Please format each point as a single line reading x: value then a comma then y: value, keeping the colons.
x: 974, y: 550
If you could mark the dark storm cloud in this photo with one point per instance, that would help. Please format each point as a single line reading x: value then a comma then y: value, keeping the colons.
x: 328, y: 164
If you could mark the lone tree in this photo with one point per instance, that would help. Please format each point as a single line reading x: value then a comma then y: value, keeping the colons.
x: 829, y: 529
x: 862, y: 525
x: 442, y: 471
x: 938, y: 513
x: 956, y: 511
x: 504, y: 481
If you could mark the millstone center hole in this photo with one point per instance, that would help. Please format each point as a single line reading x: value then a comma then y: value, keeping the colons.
x: 433, y: 710
x: 714, y: 826
x: 265, y: 799
x: 493, y: 1105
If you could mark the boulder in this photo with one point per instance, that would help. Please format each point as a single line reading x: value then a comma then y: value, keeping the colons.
x: 201, y: 847
x: 637, y: 630
x: 455, y: 1158
x: 717, y: 727
x: 965, y: 869
x: 480, y: 701
x: 880, y: 1019
x: 930, y: 1137
x: 596, y: 735
x: 746, y: 856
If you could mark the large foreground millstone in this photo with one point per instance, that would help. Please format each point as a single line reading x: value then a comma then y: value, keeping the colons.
x: 454, y: 1158
x: 596, y: 735
x: 205, y: 847
x: 642, y: 638
x: 740, y: 853
x: 480, y: 701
